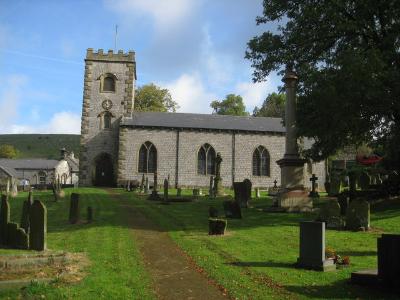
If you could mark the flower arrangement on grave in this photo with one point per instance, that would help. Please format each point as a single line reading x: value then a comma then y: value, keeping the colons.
x: 330, y: 253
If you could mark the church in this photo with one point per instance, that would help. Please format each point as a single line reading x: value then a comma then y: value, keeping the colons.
x: 119, y: 144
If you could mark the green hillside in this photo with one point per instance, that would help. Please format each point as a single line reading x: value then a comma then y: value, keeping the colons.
x: 41, y: 145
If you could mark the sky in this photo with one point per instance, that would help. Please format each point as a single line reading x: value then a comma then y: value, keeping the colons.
x: 194, y: 48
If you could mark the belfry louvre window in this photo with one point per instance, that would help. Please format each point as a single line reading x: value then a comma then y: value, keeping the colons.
x: 147, y: 158
x: 109, y: 84
x: 261, y: 162
x: 206, y: 160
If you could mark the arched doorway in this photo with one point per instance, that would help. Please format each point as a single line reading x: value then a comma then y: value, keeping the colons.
x: 104, y: 171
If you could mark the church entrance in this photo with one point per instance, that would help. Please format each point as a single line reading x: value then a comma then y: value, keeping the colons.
x: 104, y: 173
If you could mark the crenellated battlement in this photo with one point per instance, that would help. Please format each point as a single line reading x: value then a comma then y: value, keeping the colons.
x: 100, y: 55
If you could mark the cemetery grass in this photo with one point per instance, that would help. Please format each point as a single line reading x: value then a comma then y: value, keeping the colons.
x: 115, y: 269
x: 256, y: 257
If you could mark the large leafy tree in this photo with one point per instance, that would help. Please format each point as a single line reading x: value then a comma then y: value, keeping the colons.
x: 231, y: 105
x: 347, y: 56
x: 8, y: 151
x: 150, y: 97
x: 273, y: 106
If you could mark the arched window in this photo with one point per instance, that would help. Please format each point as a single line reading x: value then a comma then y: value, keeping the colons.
x: 42, y: 177
x: 107, y: 120
x: 206, y: 160
x: 261, y: 162
x: 147, y: 158
x: 108, y: 84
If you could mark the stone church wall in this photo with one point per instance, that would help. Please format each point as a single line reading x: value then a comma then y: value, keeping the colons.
x: 239, y: 146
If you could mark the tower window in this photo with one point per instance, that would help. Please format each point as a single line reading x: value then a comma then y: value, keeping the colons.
x: 107, y: 120
x: 261, y: 162
x: 107, y: 82
x: 206, y: 160
x: 147, y: 158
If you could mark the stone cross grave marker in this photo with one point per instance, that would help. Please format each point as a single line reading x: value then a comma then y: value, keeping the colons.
x: 38, y: 232
x: 313, y: 192
x: 312, y: 247
x: 275, y: 182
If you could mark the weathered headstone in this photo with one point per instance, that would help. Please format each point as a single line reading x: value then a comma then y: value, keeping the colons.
x: 358, y: 215
x: 313, y: 192
x: 232, y: 209
x: 179, y: 192
x: 74, y: 209
x: 128, y: 186
x: 154, y: 194
x: 330, y: 214
x: 343, y: 201
x: 335, y: 185
x: 364, y: 180
x: 38, y: 228
x: 257, y: 191
x: 89, y: 215
x: 312, y: 247
x: 211, y: 188
x: 21, y: 239
x: 166, y: 187
x: 4, y: 218
x: 142, y: 183
x: 216, y: 226
x: 242, y: 192
x: 11, y: 234
x: 196, y: 192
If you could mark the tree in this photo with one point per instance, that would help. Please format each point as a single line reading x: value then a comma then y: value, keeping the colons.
x: 273, y: 106
x: 346, y: 54
x: 150, y: 97
x: 8, y: 151
x: 231, y: 105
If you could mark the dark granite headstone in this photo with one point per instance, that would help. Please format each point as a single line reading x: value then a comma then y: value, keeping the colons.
x: 232, y: 210
x: 216, y: 226
x: 74, y: 209
x: 4, y: 218
x: 389, y: 259
x: 312, y: 247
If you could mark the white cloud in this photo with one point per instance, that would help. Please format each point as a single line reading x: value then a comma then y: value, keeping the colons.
x: 188, y: 90
x: 10, y: 98
x: 166, y: 14
x: 253, y: 93
x: 62, y: 122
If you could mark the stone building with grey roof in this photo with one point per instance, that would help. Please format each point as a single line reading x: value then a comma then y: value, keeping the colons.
x: 119, y: 144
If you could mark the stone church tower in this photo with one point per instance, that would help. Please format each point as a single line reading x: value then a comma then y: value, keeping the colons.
x: 108, y: 94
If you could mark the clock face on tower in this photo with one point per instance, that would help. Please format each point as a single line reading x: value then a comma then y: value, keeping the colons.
x: 107, y: 104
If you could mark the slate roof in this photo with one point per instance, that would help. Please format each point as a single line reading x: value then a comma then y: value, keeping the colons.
x: 32, y: 163
x: 204, y: 121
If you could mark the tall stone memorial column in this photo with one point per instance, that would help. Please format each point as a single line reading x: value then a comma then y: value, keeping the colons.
x: 292, y: 196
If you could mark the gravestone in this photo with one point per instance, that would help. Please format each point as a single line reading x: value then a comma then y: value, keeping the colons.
x: 242, y: 192
x: 211, y: 188
x: 4, y: 218
x: 11, y: 234
x: 89, y: 214
x: 179, y: 192
x: 166, y: 186
x: 38, y: 228
x: 364, y: 181
x: 257, y: 193
x: 387, y: 275
x: 196, y: 192
x: 21, y: 239
x: 273, y: 191
x: 352, y: 183
x: 343, y: 201
x: 154, y: 194
x: 312, y: 247
x: 216, y: 226
x: 147, y: 186
x: 335, y: 185
x: 232, y: 210
x: 74, y: 209
x: 313, y: 192
x: 213, y: 212
x: 128, y: 186
x: 330, y: 214
x: 358, y: 215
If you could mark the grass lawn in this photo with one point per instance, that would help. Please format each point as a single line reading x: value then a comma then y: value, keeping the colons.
x: 116, y: 270
x: 254, y: 260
